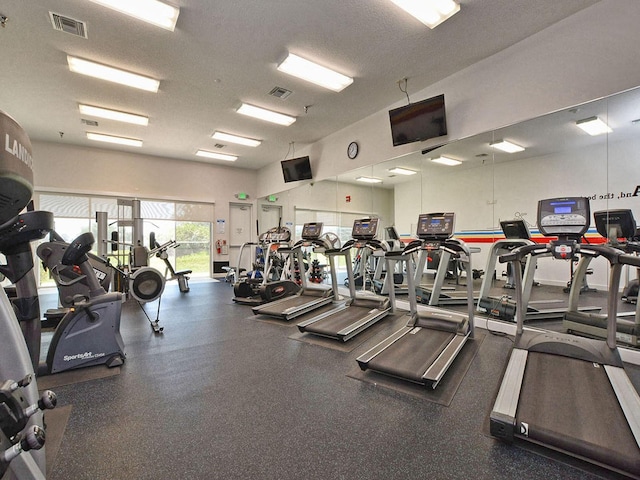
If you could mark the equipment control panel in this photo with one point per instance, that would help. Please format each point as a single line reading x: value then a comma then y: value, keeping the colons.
x: 567, y: 217
x: 311, y: 231
x: 365, y: 229
x: 435, y: 226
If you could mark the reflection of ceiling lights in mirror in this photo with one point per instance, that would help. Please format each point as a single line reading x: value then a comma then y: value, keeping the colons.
x: 594, y: 126
x: 111, y: 74
x: 113, y: 115
x: 314, y: 73
x: 264, y: 114
x: 98, y: 137
x: 450, y: 162
x: 227, y: 137
x: 506, y: 146
x: 368, y: 180
x: 402, y: 171
x: 430, y: 12
x: 216, y: 156
x: 151, y: 11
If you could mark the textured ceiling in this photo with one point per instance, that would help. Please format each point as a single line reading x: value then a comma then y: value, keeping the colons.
x: 226, y: 52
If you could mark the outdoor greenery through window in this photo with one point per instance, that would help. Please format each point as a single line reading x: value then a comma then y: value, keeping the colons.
x: 188, y: 224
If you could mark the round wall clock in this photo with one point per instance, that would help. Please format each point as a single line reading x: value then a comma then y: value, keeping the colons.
x: 352, y: 150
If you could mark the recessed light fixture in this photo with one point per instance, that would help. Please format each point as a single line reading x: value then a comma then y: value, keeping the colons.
x: 264, y: 114
x: 112, y: 74
x: 216, y: 156
x: 151, y: 11
x: 227, y: 137
x: 506, y: 146
x: 99, y: 137
x: 368, y: 180
x: 430, y: 12
x: 450, y: 162
x: 594, y: 126
x: 314, y: 73
x: 402, y: 171
x: 113, y: 115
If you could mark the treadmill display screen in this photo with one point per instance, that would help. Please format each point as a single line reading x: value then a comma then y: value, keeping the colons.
x: 564, y: 216
x: 365, y: 228
x: 513, y: 229
x: 615, y: 224
x: 311, y: 231
x: 435, y: 226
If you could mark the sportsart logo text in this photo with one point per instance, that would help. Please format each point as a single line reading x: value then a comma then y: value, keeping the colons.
x: 83, y: 356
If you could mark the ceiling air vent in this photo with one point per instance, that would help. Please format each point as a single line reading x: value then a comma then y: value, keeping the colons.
x: 91, y: 123
x: 219, y: 145
x: 280, y: 92
x: 68, y: 25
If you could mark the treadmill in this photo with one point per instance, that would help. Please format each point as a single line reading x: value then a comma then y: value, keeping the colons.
x: 363, y: 309
x: 309, y: 297
x: 437, y: 294
x: 504, y: 308
x: 422, y: 351
x: 568, y: 393
x: 516, y: 235
x: 612, y: 225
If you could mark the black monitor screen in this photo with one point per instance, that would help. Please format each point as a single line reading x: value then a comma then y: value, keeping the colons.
x: 435, y: 225
x: 418, y: 121
x: 296, y: 169
x: 568, y: 216
x: 392, y: 233
x: 515, y: 229
x: 365, y: 228
x: 614, y: 224
x: 311, y: 230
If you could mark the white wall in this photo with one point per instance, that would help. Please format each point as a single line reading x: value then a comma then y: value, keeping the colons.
x: 589, y: 55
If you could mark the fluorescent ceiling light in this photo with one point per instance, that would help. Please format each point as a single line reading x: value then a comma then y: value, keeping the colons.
x: 402, y: 171
x: 430, y: 12
x: 99, y: 137
x: 227, y: 137
x: 151, y: 11
x: 216, y: 156
x: 450, y: 162
x: 111, y: 74
x: 368, y: 180
x: 594, y: 126
x: 113, y: 115
x: 506, y: 146
x: 264, y: 114
x: 314, y: 73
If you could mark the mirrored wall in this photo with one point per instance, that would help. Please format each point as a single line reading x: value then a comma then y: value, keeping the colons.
x: 556, y: 158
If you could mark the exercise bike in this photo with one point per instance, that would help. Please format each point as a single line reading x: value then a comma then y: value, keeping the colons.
x: 89, y: 334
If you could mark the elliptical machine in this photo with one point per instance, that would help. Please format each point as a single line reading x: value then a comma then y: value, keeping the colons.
x: 21, y: 420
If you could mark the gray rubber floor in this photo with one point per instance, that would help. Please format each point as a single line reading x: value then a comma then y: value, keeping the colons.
x: 220, y: 395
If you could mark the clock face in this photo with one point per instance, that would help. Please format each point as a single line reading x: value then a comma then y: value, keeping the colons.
x: 352, y: 150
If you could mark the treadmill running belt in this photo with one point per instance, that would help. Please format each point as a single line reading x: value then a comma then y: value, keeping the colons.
x: 569, y: 405
x: 338, y: 321
x: 294, y: 301
x: 411, y: 355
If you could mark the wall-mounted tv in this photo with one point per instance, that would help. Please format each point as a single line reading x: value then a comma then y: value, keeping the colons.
x: 418, y: 121
x: 296, y: 169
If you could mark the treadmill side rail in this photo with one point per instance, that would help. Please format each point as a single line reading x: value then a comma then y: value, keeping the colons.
x: 502, y: 421
x: 440, y: 366
x: 627, y: 396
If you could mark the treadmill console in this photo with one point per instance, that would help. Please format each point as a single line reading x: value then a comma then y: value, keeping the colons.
x: 365, y: 229
x: 435, y: 227
x: 615, y: 224
x: 276, y: 235
x: 566, y: 217
x: 311, y: 231
x: 515, y: 229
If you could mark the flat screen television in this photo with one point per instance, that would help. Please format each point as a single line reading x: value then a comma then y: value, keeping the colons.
x: 296, y: 169
x: 418, y: 121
